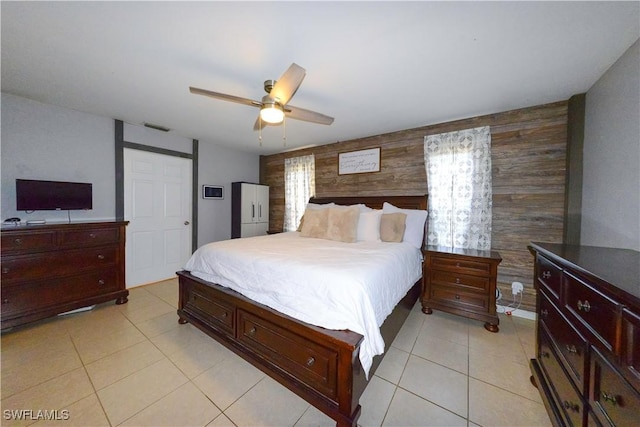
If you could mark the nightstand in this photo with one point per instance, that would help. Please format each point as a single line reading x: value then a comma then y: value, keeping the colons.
x: 461, y: 282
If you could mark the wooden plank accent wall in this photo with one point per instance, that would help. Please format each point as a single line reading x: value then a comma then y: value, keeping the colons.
x: 528, y: 171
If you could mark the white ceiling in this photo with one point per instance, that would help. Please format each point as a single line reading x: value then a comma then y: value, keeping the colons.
x: 376, y: 67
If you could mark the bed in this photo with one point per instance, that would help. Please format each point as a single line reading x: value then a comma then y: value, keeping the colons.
x: 324, y: 366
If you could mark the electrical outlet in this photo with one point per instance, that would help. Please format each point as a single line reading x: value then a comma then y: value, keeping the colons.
x: 516, y: 288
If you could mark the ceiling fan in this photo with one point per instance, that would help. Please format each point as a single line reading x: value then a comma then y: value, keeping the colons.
x: 274, y: 106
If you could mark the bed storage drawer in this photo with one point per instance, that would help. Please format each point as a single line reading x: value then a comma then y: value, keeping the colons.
x: 210, y: 309
x: 310, y: 362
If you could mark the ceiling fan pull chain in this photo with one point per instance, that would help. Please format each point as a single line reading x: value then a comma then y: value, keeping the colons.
x: 284, y: 132
x: 260, y: 133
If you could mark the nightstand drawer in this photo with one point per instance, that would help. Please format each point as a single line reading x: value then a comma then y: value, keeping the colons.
x: 460, y: 265
x: 462, y: 281
x: 459, y: 298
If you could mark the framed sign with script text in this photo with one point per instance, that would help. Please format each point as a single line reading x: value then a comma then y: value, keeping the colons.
x: 362, y: 161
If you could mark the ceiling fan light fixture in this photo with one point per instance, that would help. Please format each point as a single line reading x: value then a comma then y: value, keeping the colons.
x: 272, y: 112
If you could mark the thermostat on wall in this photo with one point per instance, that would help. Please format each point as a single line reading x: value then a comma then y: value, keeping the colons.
x: 212, y: 192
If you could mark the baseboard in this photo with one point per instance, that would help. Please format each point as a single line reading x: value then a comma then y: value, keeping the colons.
x: 517, y: 312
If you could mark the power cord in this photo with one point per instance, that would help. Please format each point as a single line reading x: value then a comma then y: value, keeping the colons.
x: 508, y: 309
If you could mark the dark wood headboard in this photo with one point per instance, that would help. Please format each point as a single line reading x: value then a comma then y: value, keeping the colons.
x: 375, y: 202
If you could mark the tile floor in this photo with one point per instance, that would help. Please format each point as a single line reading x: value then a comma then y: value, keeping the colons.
x: 134, y: 365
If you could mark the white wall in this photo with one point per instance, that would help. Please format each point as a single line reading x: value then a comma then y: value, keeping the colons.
x: 611, y: 181
x: 41, y: 141
x: 45, y: 142
x: 221, y: 166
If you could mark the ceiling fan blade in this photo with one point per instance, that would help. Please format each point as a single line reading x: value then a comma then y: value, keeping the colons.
x: 288, y: 84
x: 225, y: 97
x: 297, y: 113
x: 256, y: 125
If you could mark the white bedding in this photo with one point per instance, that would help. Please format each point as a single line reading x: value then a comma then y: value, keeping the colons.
x: 326, y: 283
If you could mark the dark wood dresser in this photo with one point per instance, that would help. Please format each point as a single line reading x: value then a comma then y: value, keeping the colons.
x: 462, y: 282
x: 587, y: 365
x: 54, y: 268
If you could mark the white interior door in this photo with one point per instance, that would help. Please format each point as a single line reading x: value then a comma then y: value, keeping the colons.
x: 157, y: 204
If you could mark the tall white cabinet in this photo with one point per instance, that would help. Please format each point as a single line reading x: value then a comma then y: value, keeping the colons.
x: 249, y: 209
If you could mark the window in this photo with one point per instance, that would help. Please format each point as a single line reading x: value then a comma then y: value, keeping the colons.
x: 299, y: 186
x: 459, y: 181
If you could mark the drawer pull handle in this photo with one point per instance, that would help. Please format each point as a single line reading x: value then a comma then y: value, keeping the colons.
x: 100, y: 256
x: 224, y: 315
x: 612, y: 398
x: 457, y: 264
x: 572, y: 406
x: 93, y: 236
x: 18, y: 241
x: 458, y: 280
x: 101, y: 282
x: 544, y: 312
x: 5, y: 270
x: 311, y: 361
x: 572, y: 349
x: 545, y: 354
x: 584, y: 306
x: 546, y: 274
x: 5, y: 301
x: 252, y: 332
x: 457, y: 296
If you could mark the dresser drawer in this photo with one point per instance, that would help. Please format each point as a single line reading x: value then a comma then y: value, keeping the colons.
x: 18, y: 242
x: 630, y: 352
x: 98, y: 236
x: 457, y: 297
x: 549, y: 275
x: 52, y: 264
x: 461, y: 265
x: 594, y: 310
x: 215, y: 312
x: 309, y: 362
x: 32, y: 296
x: 462, y: 281
x: 611, y: 397
x: 566, y: 396
x: 572, y: 348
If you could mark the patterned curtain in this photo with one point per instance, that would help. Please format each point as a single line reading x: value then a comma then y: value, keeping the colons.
x: 459, y: 182
x: 299, y: 186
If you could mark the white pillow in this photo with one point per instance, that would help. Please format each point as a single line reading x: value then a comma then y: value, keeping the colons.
x: 414, y: 231
x: 369, y: 226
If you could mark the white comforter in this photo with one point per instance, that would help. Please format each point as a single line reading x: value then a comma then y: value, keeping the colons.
x: 325, y: 283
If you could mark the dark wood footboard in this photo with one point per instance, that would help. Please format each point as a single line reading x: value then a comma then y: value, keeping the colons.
x: 320, y: 365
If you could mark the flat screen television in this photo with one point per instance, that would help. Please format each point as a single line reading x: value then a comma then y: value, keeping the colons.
x: 34, y: 195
